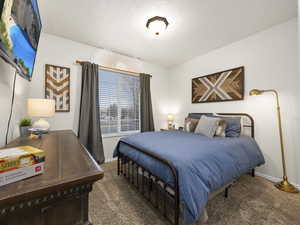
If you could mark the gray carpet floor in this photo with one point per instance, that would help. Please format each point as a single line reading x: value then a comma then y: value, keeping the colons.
x: 252, y: 201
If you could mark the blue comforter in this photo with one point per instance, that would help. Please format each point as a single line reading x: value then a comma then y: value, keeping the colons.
x: 203, y: 164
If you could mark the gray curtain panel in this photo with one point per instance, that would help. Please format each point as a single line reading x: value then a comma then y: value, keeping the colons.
x: 147, y: 123
x: 89, y: 119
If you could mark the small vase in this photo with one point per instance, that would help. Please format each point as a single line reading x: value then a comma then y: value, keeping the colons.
x: 24, y: 132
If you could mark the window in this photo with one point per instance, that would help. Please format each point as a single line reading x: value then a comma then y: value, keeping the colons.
x: 119, y: 101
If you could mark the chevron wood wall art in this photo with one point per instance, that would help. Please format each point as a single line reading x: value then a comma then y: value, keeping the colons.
x: 226, y: 85
x: 57, y: 86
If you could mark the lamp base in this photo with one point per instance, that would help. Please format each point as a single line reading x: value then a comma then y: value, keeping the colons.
x: 41, y: 124
x: 286, y: 187
x: 170, y: 125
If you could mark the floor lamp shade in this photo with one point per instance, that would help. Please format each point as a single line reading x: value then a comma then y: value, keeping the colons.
x: 41, y: 108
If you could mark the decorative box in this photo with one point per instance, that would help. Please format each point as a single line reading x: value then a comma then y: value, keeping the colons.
x: 19, y: 163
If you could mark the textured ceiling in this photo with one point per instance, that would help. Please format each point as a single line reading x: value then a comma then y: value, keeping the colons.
x: 196, y: 26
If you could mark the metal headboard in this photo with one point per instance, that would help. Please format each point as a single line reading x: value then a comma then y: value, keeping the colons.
x: 248, y: 121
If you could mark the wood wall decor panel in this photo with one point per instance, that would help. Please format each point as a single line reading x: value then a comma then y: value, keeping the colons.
x: 222, y: 86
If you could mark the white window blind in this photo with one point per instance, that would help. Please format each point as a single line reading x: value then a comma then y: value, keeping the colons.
x: 119, y: 102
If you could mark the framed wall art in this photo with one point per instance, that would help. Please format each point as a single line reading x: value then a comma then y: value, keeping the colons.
x: 57, y: 86
x: 222, y: 86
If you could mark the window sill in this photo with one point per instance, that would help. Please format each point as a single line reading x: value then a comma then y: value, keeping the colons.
x: 119, y: 134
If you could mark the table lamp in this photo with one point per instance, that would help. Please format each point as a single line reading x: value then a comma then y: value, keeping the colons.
x: 41, y: 108
x: 283, y: 185
x: 170, y: 121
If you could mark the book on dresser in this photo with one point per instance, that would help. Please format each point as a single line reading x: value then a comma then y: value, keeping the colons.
x: 19, y: 163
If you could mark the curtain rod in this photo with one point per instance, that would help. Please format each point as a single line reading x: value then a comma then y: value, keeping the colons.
x: 111, y: 68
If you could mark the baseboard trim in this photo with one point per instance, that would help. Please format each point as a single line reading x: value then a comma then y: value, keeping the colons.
x: 274, y: 179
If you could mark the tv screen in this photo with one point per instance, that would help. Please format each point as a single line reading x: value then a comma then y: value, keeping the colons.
x: 20, y: 28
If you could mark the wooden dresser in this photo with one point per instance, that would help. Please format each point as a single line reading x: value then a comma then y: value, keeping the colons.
x: 60, y: 195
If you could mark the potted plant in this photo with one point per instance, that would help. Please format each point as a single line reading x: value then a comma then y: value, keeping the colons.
x: 25, y: 124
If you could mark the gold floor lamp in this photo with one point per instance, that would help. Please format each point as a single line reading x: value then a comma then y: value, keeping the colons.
x: 283, y: 185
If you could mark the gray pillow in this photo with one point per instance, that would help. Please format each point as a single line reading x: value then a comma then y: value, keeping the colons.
x: 207, y: 126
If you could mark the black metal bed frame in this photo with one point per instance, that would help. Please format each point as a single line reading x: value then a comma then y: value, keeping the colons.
x: 137, y: 175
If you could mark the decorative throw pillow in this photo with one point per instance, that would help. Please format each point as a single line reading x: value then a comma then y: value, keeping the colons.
x: 207, y: 126
x: 220, y: 132
x: 187, y: 124
x: 234, y: 126
x: 190, y: 124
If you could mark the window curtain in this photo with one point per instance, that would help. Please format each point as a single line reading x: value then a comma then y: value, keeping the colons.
x: 147, y: 123
x: 89, y: 119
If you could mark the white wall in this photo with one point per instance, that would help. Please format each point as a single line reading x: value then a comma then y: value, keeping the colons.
x: 63, y: 52
x: 270, y: 60
x: 19, y: 110
x: 269, y: 57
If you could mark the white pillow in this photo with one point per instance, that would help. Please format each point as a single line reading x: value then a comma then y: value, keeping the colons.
x: 207, y: 126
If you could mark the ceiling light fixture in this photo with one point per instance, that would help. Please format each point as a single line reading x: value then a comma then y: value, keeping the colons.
x: 157, y: 24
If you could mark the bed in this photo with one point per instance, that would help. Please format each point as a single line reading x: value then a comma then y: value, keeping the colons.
x: 186, y: 168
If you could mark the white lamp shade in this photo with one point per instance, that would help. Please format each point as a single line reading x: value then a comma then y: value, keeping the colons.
x: 37, y: 107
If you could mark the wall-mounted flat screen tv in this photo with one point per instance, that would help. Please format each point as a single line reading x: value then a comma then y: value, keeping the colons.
x: 20, y: 28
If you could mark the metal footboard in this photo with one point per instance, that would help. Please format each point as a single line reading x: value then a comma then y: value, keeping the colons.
x: 143, y: 179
